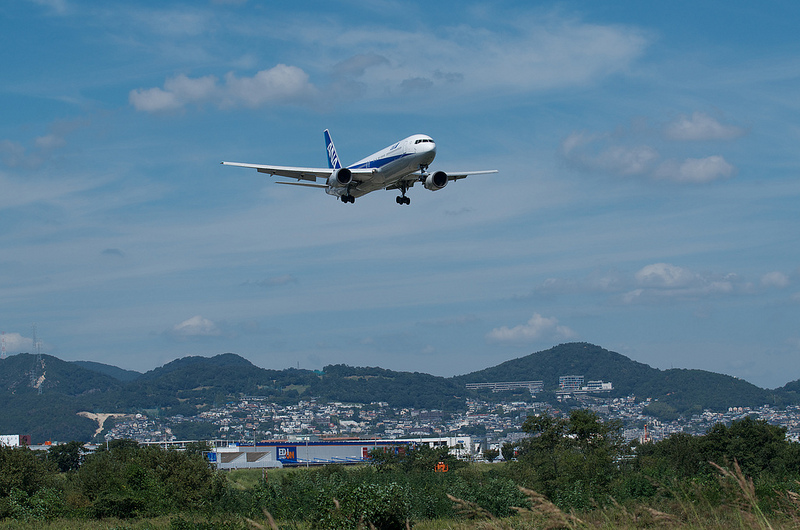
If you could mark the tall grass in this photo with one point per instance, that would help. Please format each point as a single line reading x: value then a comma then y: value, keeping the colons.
x: 686, y: 509
x: 729, y: 500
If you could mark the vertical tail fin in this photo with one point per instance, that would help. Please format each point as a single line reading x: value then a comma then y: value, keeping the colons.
x: 333, y: 158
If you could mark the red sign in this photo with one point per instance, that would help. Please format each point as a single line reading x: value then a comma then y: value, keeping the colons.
x: 441, y: 467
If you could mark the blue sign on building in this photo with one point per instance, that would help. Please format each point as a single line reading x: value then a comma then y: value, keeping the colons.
x: 286, y: 454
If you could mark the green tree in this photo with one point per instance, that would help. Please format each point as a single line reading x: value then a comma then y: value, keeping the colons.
x: 570, y: 460
x: 67, y: 457
x: 677, y: 456
x: 758, y: 447
x: 126, y: 480
x: 508, y: 450
x: 23, y: 469
x: 414, y: 458
x: 27, y: 485
x: 491, y: 454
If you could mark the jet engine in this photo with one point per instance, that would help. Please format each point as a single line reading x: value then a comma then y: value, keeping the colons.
x: 436, y: 181
x: 340, y: 178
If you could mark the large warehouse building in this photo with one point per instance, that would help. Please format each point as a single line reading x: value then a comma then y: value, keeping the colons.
x: 310, y: 453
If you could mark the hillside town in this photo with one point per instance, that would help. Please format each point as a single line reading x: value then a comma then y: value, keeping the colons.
x: 253, y: 419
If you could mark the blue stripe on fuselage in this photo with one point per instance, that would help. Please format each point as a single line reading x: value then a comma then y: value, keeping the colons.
x: 379, y: 162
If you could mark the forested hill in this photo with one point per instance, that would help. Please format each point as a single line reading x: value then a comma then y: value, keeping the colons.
x: 792, y: 387
x: 576, y: 358
x: 66, y: 388
x: 401, y: 389
x: 25, y: 374
x: 191, y: 384
x: 107, y: 369
x: 681, y: 390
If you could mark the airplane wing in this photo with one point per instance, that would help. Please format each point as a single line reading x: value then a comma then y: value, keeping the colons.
x: 417, y: 176
x: 464, y: 174
x: 299, y: 173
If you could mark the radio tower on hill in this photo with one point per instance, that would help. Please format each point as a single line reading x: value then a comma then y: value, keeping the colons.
x: 38, y: 367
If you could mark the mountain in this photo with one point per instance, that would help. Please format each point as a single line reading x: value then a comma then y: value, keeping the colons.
x: 681, y: 390
x: 400, y: 389
x: 186, y: 384
x: 107, y: 369
x: 577, y: 358
x: 65, y: 387
x: 792, y: 387
x: 191, y: 384
x: 25, y: 374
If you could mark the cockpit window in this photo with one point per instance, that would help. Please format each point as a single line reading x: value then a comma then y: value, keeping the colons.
x: 422, y: 140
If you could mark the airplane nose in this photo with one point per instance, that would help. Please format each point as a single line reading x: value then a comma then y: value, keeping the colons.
x: 430, y: 151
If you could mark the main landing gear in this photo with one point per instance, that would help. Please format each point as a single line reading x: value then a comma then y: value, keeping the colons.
x: 402, y: 199
x: 348, y: 198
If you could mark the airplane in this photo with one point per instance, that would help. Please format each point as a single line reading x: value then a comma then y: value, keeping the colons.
x: 397, y: 167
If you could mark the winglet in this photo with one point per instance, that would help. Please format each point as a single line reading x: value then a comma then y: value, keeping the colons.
x: 333, y: 158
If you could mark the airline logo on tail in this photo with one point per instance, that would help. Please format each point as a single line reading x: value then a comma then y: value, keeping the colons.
x: 333, y: 158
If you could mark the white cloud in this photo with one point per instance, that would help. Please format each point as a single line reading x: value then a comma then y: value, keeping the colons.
x: 16, y: 343
x: 617, y: 154
x: 538, y: 327
x: 695, y: 170
x: 598, y: 282
x: 624, y: 160
x: 547, y: 52
x: 358, y: 64
x: 197, y: 326
x: 154, y: 100
x: 664, y: 275
x: 600, y: 152
x: 775, y: 279
x: 178, y: 91
x: 59, y: 7
x: 279, y: 84
x: 664, y: 280
x: 15, y: 154
x: 529, y: 53
x: 699, y: 127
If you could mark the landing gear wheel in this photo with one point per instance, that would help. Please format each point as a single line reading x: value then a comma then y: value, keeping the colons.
x: 348, y: 198
x: 402, y: 200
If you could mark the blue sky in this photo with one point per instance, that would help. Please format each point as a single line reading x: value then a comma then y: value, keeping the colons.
x: 646, y: 199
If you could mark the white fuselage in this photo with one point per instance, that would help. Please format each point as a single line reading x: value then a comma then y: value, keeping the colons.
x: 393, y: 163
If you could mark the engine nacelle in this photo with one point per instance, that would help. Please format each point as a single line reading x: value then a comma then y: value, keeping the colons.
x: 436, y: 181
x: 340, y: 178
